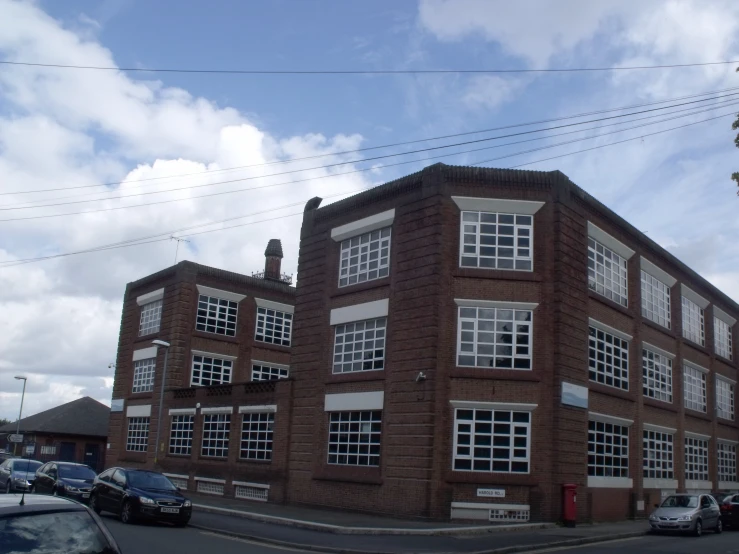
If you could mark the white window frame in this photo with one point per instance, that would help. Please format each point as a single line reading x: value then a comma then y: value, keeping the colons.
x: 151, y: 318
x: 726, y: 462
x: 137, y: 435
x: 207, y: 359
x: 143, y: 375
x: 695, y: 383
x: 696, y: 458
x: 215, y: 315
x: 601, y: 371
x: 268, y: 371
x: 342, y: 426
x: 282, y: 318
x: 370, y: 350
x: 694, y: 319
x: 725, y: 398
x: 215, y: 424
x: 257, y: 435
x: 181, y: 433
x: 356, y: 257
x: 608, y: 272
x: 612, y: 427
x: 521, y: 238
x: 655, y: 300
x: 657, y: 373
x: 659, y: 454
x: 722, y: 334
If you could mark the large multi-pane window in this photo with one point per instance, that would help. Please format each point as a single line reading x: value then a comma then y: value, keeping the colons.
x: 137, y: 439
x: 724, y: 398
x: 180, y: 434
x: 360, y: 346
x: 494, y: 337
x: 256, y: 436
x: 727, y: 462
x: 657, y: 375
x: 151, y: 317
x: 722, y: 338
x: 208, y: 370
x: 694, y: 327
x: 658, y: 455
x: 607, y: 272
x: 694, y: 384
x: 497, y: 241
x: 265, y: 372
x: 696, y: 459
x: 608, y: 449
x: 497, y: 441
x: 274, y: 326
x: 655, y: 300
x: 354, y: 438
x: 216, y: 432
x: 608, y: 357
x: 216, y: 315
x: 365, y: 257
x: 143, y: 375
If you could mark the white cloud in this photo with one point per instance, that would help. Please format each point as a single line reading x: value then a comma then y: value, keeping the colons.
x: 489, y: 91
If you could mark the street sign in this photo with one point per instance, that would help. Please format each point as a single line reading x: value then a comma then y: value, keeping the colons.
x: 30, y: 449
x: 15, y: 438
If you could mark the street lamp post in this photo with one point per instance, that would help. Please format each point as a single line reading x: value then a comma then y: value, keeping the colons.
x: 161, y: 396
x: 20, y: 413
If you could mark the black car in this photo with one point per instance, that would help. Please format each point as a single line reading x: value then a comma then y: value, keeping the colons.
x: 729, y: 505
x: 139, y: 494
x: 18, y: 474
x: 44, y: 524
x: 64, y: 479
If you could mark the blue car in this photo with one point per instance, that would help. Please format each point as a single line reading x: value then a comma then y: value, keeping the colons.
x: 18, y: 474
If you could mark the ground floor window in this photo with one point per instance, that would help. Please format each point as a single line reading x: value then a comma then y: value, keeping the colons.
x: 180, y: 435
x: 658, y: 455
x: 727, y: 462
x: 256, y: 436
x: 137, y: 439
x: 354, y: 438
x: 608, y: 449
x: 696, y: 459
x: 216, y: 431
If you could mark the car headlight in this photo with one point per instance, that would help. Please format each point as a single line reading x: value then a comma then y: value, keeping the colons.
x: 146, y: 500
x: 70, y: 489
x: 653, y: 518
x: 187, y: 504
x: 685, y: 518
x: 20, y: 481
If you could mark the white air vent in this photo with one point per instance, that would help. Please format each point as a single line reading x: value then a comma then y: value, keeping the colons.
x: 251, y: 493
x: 210, y: 488
x: 520, y: 516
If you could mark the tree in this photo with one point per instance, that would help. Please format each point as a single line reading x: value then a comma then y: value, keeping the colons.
x: 4, y: 421
x: 735, y: 126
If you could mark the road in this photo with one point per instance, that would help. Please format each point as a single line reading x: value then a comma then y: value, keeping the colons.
x: 726, y: 543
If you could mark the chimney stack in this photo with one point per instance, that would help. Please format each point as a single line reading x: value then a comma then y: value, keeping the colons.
x: 273, y: 259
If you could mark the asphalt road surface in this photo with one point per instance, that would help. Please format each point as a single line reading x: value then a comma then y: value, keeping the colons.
x: 726, y: 543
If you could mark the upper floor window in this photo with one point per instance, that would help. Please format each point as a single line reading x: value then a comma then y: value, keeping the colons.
x: 360, y: 346
x: 724, y: 398
x: 137, y: 439
x: 354, y: 438
x: 265, y: 371
x: 694, y: 385
x: 497, y: 241
x: 216, y: 315
x: 608, y: 356
x: 722, y: 331
x: 607, y: 272
x: 143, y: 375
x: 274, y: 326
x: 694, y: 327
x: 657, y: 374
x: 151, y: 317
x: 655, y: 300
x: 495, y: 337
x: 365, y: 257
x: 208, y: 369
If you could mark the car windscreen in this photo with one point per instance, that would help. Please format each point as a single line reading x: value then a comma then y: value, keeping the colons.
x: 680, y: 502
x: 151, y: 481
x: 52, y: 533
x: 76, y: 472
x: 26, y: 465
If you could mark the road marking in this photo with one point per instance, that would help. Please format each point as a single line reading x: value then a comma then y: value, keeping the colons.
x: 247, y: 541
x: 592, y: 544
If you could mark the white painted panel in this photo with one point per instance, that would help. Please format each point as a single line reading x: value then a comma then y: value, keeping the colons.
x: 209, y: 480
x: 693, y: 296
x: 472, y: 405
x: 176, y: 475
x: 270, y: 364
x: 723, y: 316
x: 728, y: 441
x: 354, y: 401
x: 699, y: 486
x: 139, y: 410
x: 487, y: 506
x: 266, y: 408
x: 724, y: 378
x: 365, y: 225
x: 654, y: 271
x: 470, y: 303
x: 145, y: 353
x: 182, y: 411
x: 696, y: 366
x: 224, y: 294
x: 699, y: 436
x: 150, y: 297
x: 521, y: 207
x: 358, y: 312
x: 213, y: 355
x: 608, y: 329
x: 245, y: 484
x: 728, y: 485
x: 217, y: 410
x: 610, y: 482
x: 658, y: 350
x: 470, y: 514
x: 262, y: 303
x: 659, y: 429
x: 607, y: 240
x: 605, y: 418
x: 660, y: 483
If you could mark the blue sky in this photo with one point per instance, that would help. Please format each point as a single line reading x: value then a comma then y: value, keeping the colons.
x: 67, y: 128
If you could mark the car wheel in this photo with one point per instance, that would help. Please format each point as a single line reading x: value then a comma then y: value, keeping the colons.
x: 127, y: 512
x: 698, y: 531
x: 94, y: 504
x: 719, y: 527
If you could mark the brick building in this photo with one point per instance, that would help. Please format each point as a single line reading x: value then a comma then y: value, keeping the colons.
x: 465, y: 342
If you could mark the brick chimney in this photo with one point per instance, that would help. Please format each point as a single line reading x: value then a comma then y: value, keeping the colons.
x: 273, y: 259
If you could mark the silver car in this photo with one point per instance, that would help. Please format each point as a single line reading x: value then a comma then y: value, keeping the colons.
x: 690, y: 513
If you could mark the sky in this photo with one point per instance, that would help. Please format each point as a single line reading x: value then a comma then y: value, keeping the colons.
x: 147, y: 154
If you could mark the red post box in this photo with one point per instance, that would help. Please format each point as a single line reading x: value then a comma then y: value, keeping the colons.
x: 569, y: 508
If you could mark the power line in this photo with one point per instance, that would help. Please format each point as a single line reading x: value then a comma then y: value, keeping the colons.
x: 369, y: 148
x: 138, y: 195
x: 363, y: 71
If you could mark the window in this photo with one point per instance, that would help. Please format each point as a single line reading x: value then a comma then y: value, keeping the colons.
x: 693, y: 322
x: 137, y: 439
x: 695, y: 389
x: 216, y: 315
x: 151, y: 316
x: 360, y: 346
x: 497, y: 241
x: 696, y: 459
x: 657, y: 374
x: 607, y: 273
x: 263, y: 372
x: 608, y: 359
x: 274, y: 326
x: 180, y: 435
x: 497, y: 441
x: 61, y: 531
x: 216, y: 430
x: 608, y: 449
x: 658, y: 452
x: 207, y: 370
x: 724, y: 398
x: 655, y: 300
x: 143, y: 375
x: 256, y: 436
x: 354, y: 438
x: 494, y: 337
x: 365, y: 257
x: 727, y: 462
x: 722, y: 338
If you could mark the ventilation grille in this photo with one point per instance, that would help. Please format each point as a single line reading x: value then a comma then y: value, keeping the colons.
x: 210, y: 488
x: 252, y: 493
x: 179, y: 483
x: 509, y: 515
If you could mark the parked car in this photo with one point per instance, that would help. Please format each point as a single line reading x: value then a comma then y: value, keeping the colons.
x: 64, y: 479
x: 729, y: 506
x: 139, y: 494
x: 691, y: 513
x: 6, y: 455
x: 44, y: 524
x: 18, y: 474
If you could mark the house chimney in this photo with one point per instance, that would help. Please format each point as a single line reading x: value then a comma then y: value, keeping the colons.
x: 273, y: 259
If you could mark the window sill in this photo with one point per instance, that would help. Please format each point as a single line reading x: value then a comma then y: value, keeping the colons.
x: 214, y: 336
x: 270, y: 346
x: 726, y: 361
x: 496, y: 374
x: 610, y: 303
x: 359, y: 287
x: 486, y: 477
x: 727, y: 422
x: 657, y: 327
x: 696, y: 346
x: 611, y: 391
x: 259, y: 463
x: 670, y: 407
x: 697, y: 415
x: 500, y: 274
x: 349, y: 474
x: 212, y: 459
x: 357, y: 376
